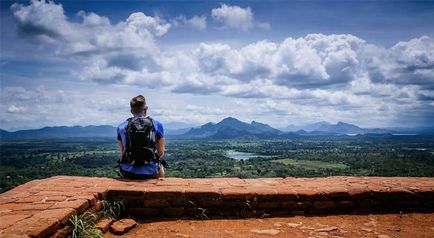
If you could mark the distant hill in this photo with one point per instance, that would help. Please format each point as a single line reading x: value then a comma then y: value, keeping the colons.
x: 60, y: 132
x: 340, y: 128
x: 308, y: 127
x: 230, y: 128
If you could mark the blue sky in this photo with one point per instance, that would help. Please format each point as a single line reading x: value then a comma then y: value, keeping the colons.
x: 281, y: 62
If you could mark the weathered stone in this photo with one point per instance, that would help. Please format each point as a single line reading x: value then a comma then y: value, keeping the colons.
x: 63, y: 232
x: 266, y: 232
x: 104, y: 224
x: 40, y: 207
x: 144, y: 211
x: 290, y: 224
x: 323, y: 205
x: 174, y: 211
x: 326, y: 229
x: 9, y: 220
x: 122, y: 226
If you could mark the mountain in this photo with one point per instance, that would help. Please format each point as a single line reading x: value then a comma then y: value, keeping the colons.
x: 60, y: 132
x: 341, y: 128
x: 175, y: 132
x: 326, y: 128
x: 316, y: 126
x: 230, y: 128
x: 308, y: 127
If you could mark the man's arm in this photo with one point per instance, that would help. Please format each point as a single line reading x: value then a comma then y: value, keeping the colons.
x: 160, y: 147
x: 121, y: 147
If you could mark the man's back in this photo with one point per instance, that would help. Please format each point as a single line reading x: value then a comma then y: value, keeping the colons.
x: 152, y: 168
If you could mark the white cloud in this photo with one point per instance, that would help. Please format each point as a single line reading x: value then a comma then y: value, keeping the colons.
x: 94, y: 38
x: 410, y: 62
x: 196, y: 22
x: 15, y: 109
x: 236, y: 17
x: 314, y: 75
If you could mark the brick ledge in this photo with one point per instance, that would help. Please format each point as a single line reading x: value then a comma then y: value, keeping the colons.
x: 40, y: 207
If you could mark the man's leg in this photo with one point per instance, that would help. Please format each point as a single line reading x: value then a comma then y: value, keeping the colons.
x: 161, y: 173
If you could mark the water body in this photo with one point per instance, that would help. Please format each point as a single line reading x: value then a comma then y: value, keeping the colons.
x: 403, y: 134
x: 237, y: 155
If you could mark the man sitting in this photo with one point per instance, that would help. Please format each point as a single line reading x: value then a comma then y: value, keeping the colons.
x: 141, y: 140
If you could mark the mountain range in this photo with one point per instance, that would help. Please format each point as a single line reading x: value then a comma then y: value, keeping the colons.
x: 60, y: 132
x: 228, y: 128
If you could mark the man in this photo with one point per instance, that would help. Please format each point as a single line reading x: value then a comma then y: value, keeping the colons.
x: 141, y: 140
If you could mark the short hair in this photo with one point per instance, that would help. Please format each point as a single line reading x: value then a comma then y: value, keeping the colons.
x: 138, y: 104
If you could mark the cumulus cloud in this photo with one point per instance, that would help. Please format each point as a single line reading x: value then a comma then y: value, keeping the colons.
x: 334, y: 72
x: 15, y: 109
x: 314, y: 61
x: 236, y: 17
x: 410, y: 62
x: 41, y: 19
x: 196, y: 22
x: 127, y: 53
x: 129, y: 44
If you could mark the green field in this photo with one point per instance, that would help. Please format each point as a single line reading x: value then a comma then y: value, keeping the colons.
x: 310, y: 164
x: 379, y: 155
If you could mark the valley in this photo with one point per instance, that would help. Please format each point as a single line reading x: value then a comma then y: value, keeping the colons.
x: 306, y: 156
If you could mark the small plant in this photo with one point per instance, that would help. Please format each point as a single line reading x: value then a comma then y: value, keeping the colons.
x: 84, y: 226
x: 112, y: 210
x: 198, y: 212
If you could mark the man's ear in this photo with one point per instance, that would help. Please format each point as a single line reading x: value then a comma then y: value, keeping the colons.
x: 131, y: 110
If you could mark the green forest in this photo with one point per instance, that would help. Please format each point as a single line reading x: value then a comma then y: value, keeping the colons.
x: 364, y: 155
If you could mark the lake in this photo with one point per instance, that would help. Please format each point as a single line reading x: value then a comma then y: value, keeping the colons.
x: 237, y: 155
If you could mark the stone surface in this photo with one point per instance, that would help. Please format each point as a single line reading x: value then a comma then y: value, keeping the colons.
x: 326, y: 229
x: 266, y: 232
x: 333, y: 226
x: 104, y: 224
x: 41, y: 207
x: 122, y: 226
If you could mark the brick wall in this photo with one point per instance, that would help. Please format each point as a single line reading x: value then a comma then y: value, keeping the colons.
x: 41, y: 208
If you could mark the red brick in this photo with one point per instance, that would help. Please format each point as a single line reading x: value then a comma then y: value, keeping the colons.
x: 268, y: 204
x: 346, y: 204
x: 23, y: 212
x: 11, y: 206
x: 156, y: 203
x: 144, y: 211
x: 174, y: 211
x: 122, y: 226
x: 9, y: 220
x: 33, y: 227
x: 63, y: 232
x: 229, y: 193
x: 104, y: 224
x: 55, y: 198
x: 31, y: 199
x: 35, y: 206
x: 210, y: 202
x: 297, y: 212
x: 98, y: 206
x: 61, y: 214
x: 79, y: 205
x: 294, y: 194
x: 323, y: 205
x: 295, y: 205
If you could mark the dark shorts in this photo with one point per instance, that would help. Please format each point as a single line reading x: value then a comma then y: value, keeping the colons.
x: 129, y: 175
